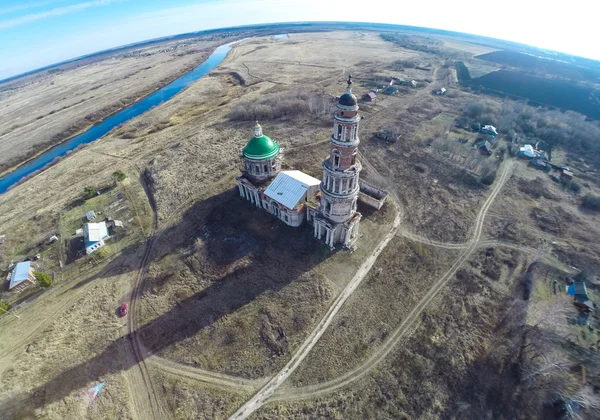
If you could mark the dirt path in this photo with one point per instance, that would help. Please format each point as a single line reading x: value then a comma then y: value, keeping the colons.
x: 213, y: 379
x: 269, y: 389
x: 357, y: 373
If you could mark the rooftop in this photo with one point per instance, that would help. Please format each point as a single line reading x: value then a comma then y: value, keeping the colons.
x: 289, y: 187
x: 260, y: 147
x: 96, y: 232
x: 19, y: 274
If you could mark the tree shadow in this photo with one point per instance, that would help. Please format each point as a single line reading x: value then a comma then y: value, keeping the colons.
x: 251, y: 253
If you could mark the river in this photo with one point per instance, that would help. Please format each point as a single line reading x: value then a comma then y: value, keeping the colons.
x: 97, y: 131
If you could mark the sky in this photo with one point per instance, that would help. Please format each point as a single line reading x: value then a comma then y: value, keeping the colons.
x: 36, y: 33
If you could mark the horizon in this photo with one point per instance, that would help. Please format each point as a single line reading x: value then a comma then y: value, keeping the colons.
x: 44, y: 33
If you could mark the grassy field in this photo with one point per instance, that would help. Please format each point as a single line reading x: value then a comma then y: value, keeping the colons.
x: 230, y: 290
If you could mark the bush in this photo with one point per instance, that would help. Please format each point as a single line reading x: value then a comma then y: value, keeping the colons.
x: 119, y: 175
x: 591, y: 202
x: 89, y: 192
x: 43, y: 279
x: 4, y: 307
x: 489, y: 178
x: 281, y: 105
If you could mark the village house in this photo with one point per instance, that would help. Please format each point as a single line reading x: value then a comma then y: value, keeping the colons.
x: 369, y: 97
x: 94, y: 235
x: 489, y: 130
x: 22, y: 276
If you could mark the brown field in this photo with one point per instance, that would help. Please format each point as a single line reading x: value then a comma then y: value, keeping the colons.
x: 222, y: 296
x: 45, y: 111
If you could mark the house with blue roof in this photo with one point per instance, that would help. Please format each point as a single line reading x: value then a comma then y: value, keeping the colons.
x: 21, y: 277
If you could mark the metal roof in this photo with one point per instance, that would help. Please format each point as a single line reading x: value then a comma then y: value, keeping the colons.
x: 90, y: 214
x: 289, y: 187
x: 95, y: 232
x: 19, y: 274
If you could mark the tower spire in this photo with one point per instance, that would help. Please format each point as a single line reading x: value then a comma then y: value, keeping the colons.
x: 257, y: 130
x: 349, y: 90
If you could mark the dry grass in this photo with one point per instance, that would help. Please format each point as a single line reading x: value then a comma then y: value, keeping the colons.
x: 431, y: 373
x: 47, y: 111
x: 234, y: 278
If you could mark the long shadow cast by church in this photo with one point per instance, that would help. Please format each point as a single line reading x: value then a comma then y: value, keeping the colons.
x: 253, y: 254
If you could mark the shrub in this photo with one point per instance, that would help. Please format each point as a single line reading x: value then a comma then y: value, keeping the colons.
x: 89, y: 192
x: 119, y: 175
x: 4, y: 307
x: 591, y: 202
x: 489, y: 178
x: 43, y: 279
x: 281, y: 105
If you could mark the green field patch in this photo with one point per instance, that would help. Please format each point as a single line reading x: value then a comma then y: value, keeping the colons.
x: 438, y: 127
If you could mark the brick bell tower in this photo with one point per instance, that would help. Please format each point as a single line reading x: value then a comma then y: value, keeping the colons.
x: 338, y: 220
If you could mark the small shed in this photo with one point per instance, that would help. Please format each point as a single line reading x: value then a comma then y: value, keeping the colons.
x: 387, y: 135
x: 369, y: 97
x: 486, y: 147
x: 22, y: 276
x: 441, y: 91
x: 540, y: 164
x: 566, y: 174
x: 390, y: 90
x: 90, y: 215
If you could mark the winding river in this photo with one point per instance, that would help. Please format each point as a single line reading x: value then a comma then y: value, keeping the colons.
x: 98, y: 131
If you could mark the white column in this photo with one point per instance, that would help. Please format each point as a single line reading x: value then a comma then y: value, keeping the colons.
x: 241, y: 187
x: 257, y: 197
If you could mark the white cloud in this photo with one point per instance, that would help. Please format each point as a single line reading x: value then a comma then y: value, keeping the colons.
x: 58, y: 11
x: 25, y: 6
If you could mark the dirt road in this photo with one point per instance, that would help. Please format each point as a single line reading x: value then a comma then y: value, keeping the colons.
x: 269, y: 389
x: 408, y: 322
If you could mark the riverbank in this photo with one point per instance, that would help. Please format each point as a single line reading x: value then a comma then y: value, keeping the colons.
x: 55, y: 108
x: 56, y: 153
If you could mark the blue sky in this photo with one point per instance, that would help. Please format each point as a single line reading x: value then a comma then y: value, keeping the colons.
x: 35, y: 33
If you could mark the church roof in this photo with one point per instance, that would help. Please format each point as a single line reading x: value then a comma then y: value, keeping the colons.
x: 348, y: 99
x: 260, y: 147
x: 289, y: 187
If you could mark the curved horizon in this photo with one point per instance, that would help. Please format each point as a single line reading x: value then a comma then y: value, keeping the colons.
x: 38, y: 35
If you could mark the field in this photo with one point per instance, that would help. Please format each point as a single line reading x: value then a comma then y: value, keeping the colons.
x: 541, y: 65
x: 418, y: 322
x: 542, y: 91
x: 39, y: 113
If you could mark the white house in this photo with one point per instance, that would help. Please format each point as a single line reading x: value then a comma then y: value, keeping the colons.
x: 527, y: 151
x: 94, y: 236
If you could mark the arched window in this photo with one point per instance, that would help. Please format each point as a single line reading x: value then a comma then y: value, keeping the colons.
x: 327, y: 207
x: 257, y: 169
x: 266, y: 168
x: 339, y: 133
x: 336, y: 159
x: 354, y: 153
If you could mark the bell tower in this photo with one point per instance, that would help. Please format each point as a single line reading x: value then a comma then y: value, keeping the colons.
x: 338, y: 219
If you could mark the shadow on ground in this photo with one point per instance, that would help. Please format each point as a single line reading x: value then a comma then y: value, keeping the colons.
x: 232, y: 231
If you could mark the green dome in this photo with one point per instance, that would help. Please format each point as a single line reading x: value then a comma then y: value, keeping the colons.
x: 261, y: 148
